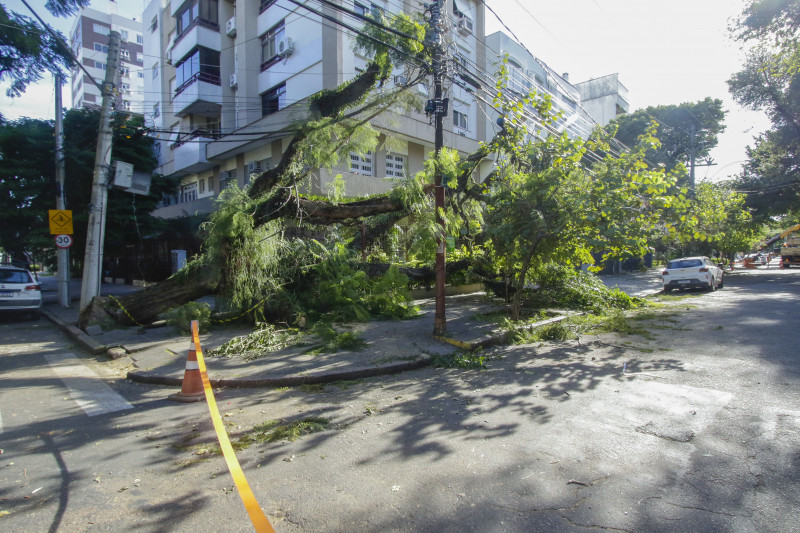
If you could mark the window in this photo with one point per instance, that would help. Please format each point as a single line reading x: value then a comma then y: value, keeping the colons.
x: 139, y: 38
x: 204, y: 12
x: 125, y: 104
x: 154, y: 24
x: 188, y: 192
x: 140, y: 74
x: 139, y: 57
x: 202, y: 63
x: 273, y: 100
x: 460, y: 120
x: 125, y: 54
x: 125, y: 72
x: 102, y: 30
x: 156, y: 110
x: 269, y: 45
x: 226, y: 179
x: 125, y: 87
x: 201, y: 187
x: 100, y: 47
x: 100, y: 65
x: 517, y: 80
x: 374, y: 10
x: 395, y: 165
x: 361, y: 164
x: 123, y: 35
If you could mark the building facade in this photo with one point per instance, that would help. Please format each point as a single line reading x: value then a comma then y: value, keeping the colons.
x: 604, y: 98
x: 231, y: 78
x: 89, y: 42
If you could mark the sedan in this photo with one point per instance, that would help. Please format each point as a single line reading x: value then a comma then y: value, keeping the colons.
x: 19, y: 290
x: 692, y: 273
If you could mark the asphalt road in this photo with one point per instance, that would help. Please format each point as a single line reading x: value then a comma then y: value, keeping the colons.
x: 690, y: 426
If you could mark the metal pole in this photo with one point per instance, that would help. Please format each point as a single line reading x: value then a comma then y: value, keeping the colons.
x: 93, y: 258
x: 62, y: 253
x: 440, y: 320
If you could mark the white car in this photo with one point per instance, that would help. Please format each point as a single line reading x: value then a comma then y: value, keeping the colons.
x: 19, y: 291
x: 692, y: 273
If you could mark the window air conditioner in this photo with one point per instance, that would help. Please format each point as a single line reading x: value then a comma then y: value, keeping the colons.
x: 230, y: 27
x: 233, y: 81
x: 285, y: 47
x: 465, y: 26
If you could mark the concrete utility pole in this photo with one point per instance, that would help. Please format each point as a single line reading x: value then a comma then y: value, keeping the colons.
x: 439, y: 107
x: 63, y: 253
x: 95, y: 233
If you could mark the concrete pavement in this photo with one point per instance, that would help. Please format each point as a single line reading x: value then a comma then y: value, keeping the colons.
x: 158, y: 354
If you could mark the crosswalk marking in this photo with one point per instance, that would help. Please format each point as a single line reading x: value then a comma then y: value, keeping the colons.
x: 88, y: 390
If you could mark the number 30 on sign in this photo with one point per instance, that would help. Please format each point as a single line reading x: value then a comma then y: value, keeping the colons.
x: 63, y: 241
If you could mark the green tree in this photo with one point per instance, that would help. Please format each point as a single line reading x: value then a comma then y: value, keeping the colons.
x: 27, y: 188
x: 27, y: 184
x: 27, y: 50
x: 684, y: 130
x: 770, y: 81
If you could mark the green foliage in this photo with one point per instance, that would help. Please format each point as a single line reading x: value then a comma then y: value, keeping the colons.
x: 265, y: 338
x: 333, y: 341
x: 276, y: 430
x: 564, y: 287
x: 181, y: 317
x: 463, y: 360
x: 558, y: 331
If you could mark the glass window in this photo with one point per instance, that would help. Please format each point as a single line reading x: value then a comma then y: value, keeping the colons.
x: 123, y: 34
x: 203, y: 11
x: 188, y: 192
x: 361, y: 164
x: 139, y: 39
x: 99, y: 47
x: 460, y: 120
x: 102, y: 30
x: 395, y: 165
x: 202, y: 63
x: 269, y: 44
x: 273, y: 100
x: 125, y: 54
x: 125, y: 72
x: 156, y: 110
x: 154, y: 24
x: 100, y: 65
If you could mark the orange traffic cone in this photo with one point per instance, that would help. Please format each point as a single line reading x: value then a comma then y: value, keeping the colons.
x: 192, y: 387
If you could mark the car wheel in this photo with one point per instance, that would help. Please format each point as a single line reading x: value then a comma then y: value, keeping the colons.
x: 711, y: 286
x: 721, y: 282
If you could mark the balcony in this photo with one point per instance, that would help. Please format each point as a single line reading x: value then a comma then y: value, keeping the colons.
x: 198, y: 206
x: 199, y: 34
x: 189, y: 152
x: 199, y: 95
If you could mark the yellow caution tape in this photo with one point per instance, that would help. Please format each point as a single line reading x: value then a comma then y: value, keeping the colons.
x: 257, y: 516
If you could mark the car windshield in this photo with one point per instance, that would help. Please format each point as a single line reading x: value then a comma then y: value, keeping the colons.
x: 14, y: 276
x: 685, y: 263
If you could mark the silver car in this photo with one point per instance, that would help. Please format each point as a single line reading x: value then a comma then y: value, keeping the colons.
x: 19, y: 291
x: 692, y: 273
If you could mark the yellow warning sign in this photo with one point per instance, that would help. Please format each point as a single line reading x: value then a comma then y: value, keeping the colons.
x: 60, y: 221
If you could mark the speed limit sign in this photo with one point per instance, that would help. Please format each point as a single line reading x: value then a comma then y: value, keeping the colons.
x: 63, y: 241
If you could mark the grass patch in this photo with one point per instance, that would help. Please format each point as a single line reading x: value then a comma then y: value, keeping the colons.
x: 463, y: 360
x: 313, y: 387
x: 345, y: 384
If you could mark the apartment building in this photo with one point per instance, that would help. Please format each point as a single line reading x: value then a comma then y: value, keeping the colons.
x: 227, y: 80
x: 604, y: 98
x: 89, y: 41
x: 526, y: 73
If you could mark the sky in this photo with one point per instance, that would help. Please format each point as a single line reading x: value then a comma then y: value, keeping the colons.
x: 665, y: 52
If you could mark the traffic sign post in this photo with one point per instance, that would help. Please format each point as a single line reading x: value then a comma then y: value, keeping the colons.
x: 63, y: 241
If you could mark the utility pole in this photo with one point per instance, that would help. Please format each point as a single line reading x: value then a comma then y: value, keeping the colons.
x: 692, y: 151
x: 439, y: 107
x: 95, y: 233
x: 63, y: 253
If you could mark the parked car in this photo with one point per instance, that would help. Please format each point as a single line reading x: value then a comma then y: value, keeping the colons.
x: 19, y: 291
x: 692, y: 273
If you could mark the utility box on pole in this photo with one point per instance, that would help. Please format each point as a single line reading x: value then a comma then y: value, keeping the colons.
x: 95, y: 233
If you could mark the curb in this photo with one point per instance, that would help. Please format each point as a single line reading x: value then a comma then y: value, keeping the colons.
x: 285, y: 381
x: 79, y: 336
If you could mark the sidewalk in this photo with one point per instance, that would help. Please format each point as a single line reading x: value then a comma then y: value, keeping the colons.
x: 159, y: 354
